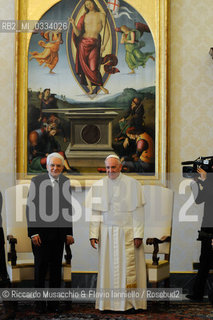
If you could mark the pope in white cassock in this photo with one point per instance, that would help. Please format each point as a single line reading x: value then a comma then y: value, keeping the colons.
x: 116, y: 226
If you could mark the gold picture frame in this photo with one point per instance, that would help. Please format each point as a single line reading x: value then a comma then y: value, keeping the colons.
x: 155, y: 13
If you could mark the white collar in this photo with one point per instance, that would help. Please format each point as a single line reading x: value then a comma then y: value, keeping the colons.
x: 52, y: 179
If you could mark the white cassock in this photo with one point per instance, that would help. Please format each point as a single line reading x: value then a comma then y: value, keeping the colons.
x: 117, y: 218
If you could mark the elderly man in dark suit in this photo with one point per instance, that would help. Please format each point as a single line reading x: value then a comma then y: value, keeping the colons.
x: 49, y: 216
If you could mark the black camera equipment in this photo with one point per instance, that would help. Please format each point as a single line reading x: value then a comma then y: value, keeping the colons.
x: 205, y: 163
x: 202, y: 235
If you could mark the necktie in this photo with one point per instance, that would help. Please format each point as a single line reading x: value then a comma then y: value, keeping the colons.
x: 55, y: 183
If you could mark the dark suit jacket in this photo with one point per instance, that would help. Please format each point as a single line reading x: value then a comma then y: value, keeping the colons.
x: 205, y: 195
x: 49, y: 211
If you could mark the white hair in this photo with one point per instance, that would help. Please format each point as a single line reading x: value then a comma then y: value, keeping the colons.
x: 55, y: 155
x: 113, y: 156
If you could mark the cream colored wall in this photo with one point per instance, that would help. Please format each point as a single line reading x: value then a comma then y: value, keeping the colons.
x: 190, y: 108
x: 191, y: 114
x: 7, y: 106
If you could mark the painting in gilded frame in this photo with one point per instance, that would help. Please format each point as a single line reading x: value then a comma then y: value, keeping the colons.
x: 94, y: 84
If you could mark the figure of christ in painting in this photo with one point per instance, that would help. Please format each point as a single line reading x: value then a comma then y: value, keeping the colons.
x: 131, y: 39
x: 49, y: 56
x: 90, y: 46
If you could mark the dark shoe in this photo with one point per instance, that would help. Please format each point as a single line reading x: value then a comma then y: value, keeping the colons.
x: 57, y: 310
x: 53, y: 307
x: 40, y: 307
x: 68, y: 305
x: 105, y: 311
x: 131, y: 311
x: 210, y: 296
x: 134, y: 311
x: 192, y: 297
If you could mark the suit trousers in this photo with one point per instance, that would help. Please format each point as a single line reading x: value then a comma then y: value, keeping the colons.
x: 206, y: 263
x: 48, y: 258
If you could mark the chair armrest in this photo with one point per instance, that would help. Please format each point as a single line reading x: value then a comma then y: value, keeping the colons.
x: 12, y: 253
x: 155, y: 242
x: 68, y: 255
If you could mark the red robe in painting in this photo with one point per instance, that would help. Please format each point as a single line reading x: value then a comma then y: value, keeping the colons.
x: 88, y: 58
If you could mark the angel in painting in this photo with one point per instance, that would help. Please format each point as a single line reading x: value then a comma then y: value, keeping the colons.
x: 131, y: 39
x: 49, y: 56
